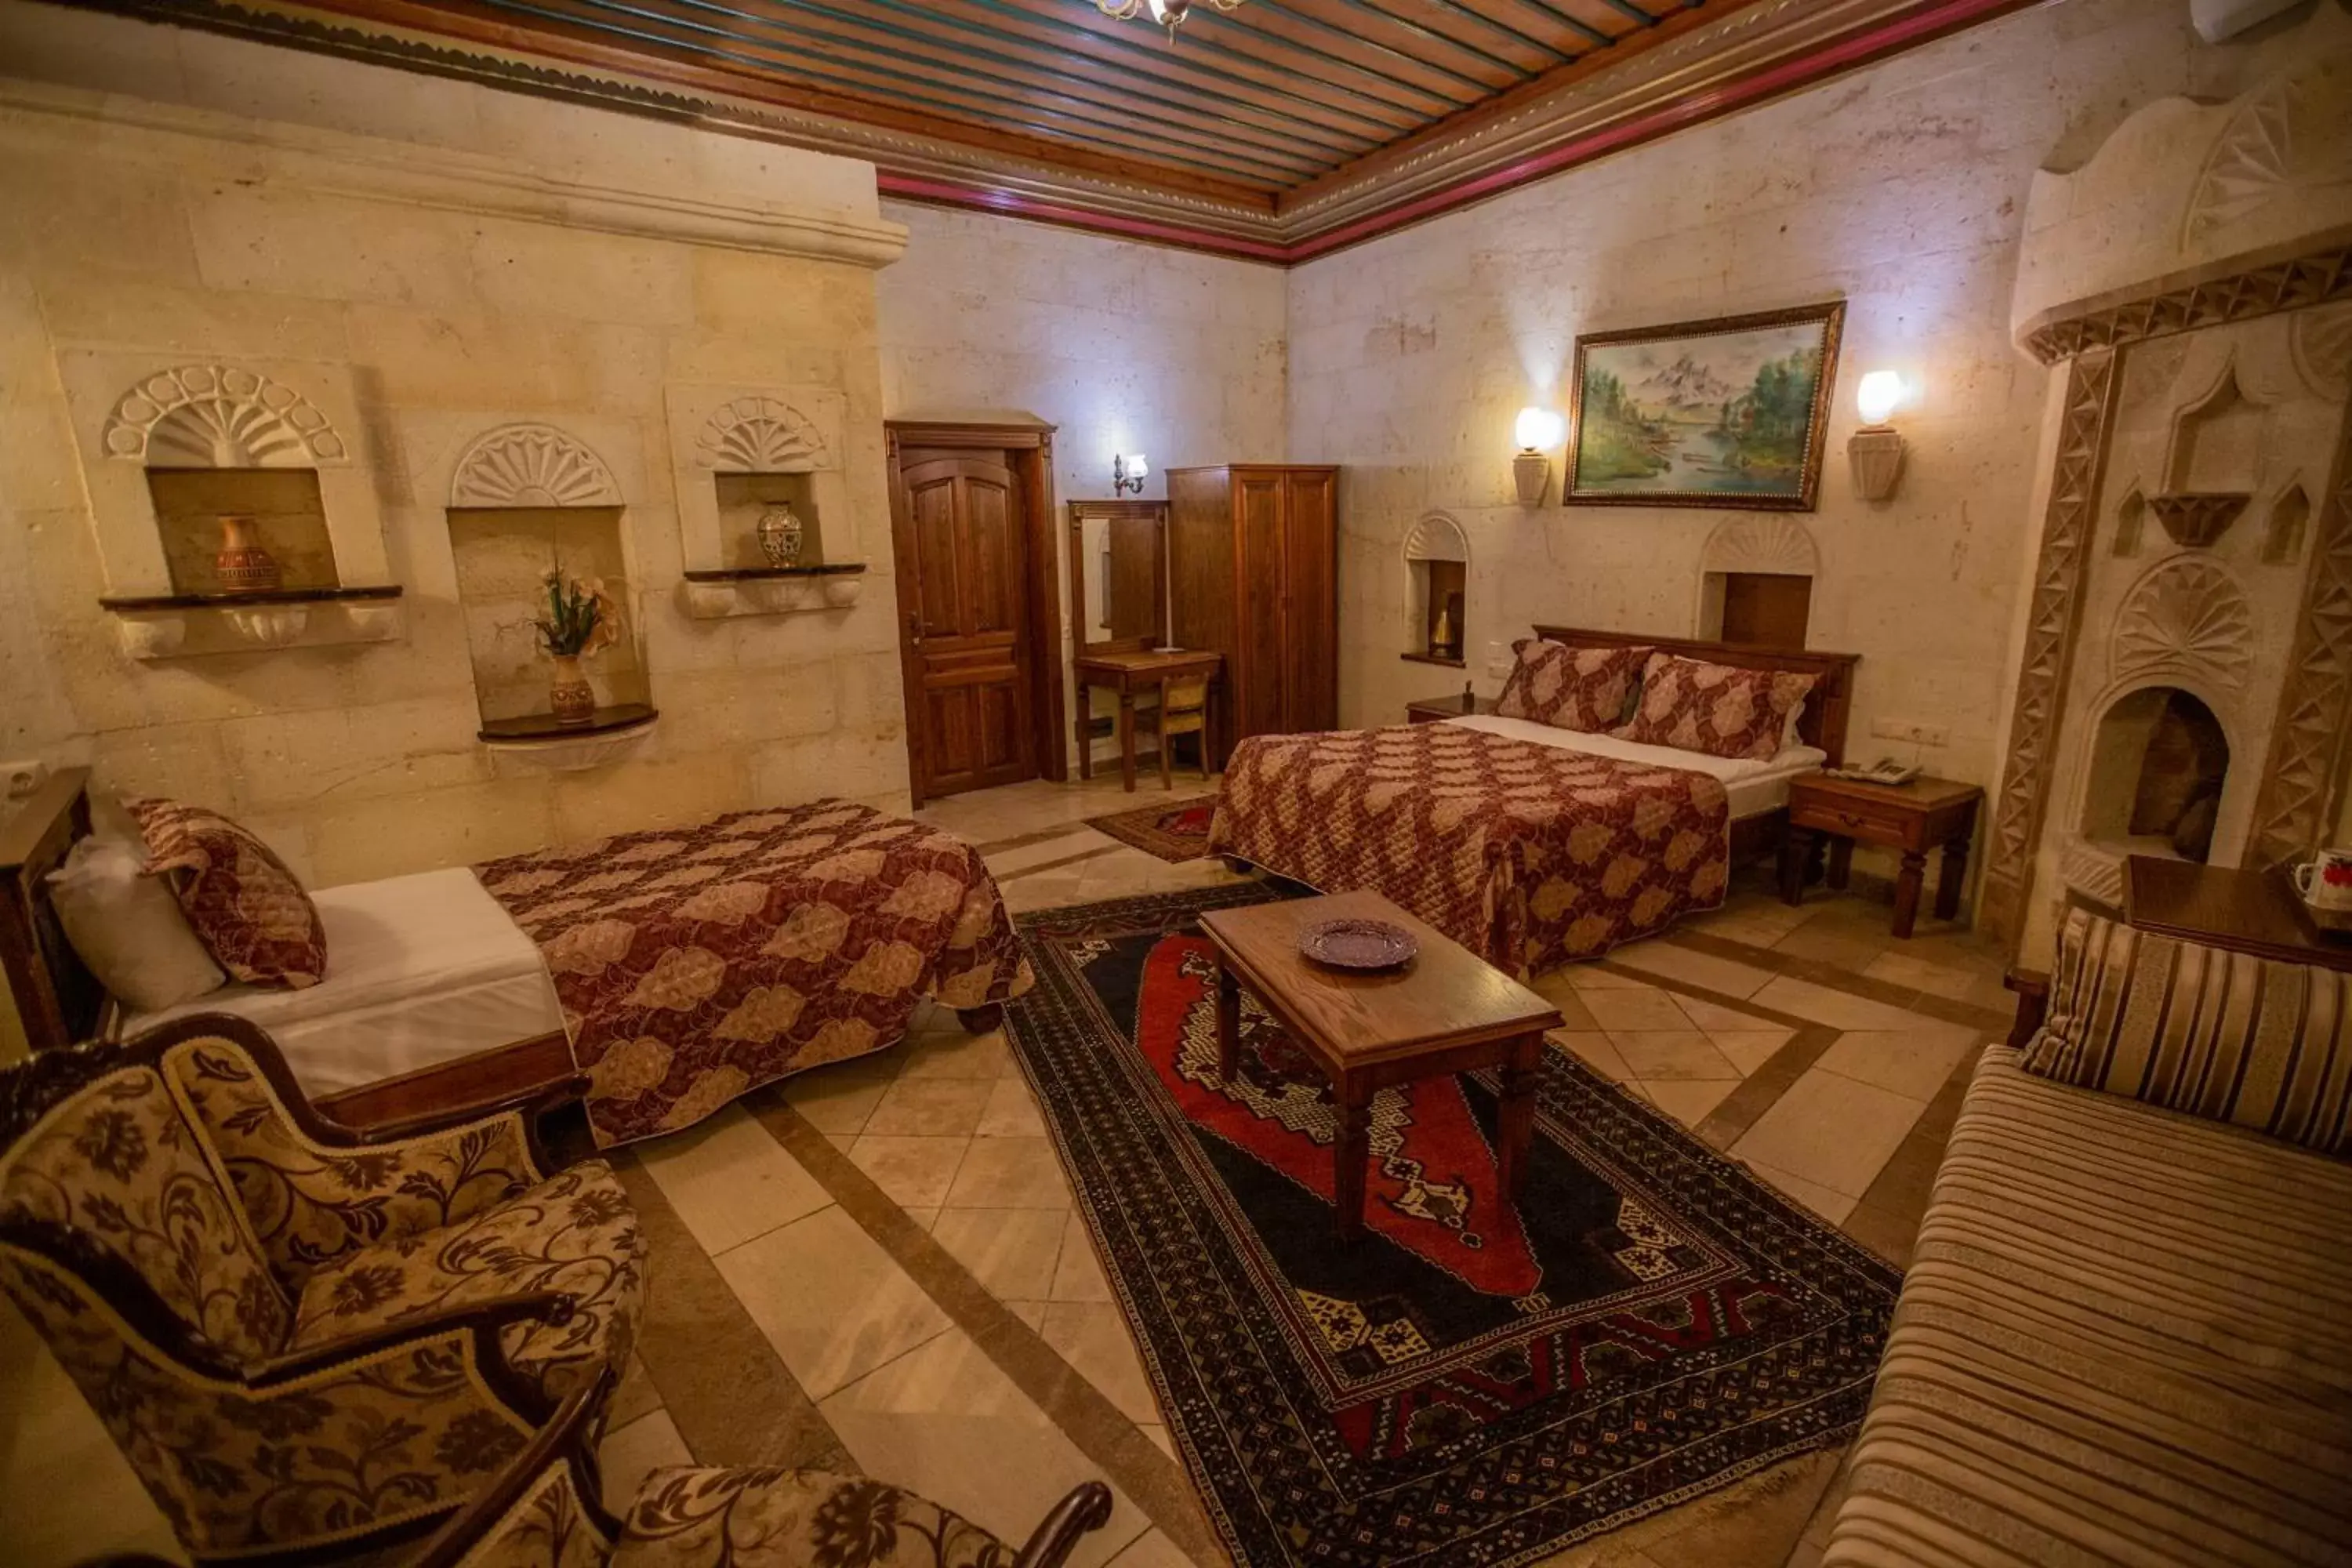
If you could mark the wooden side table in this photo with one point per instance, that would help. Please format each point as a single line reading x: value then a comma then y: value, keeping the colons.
x: 1448, y: 1011
x: 1913, y: 818
x: 1437, y: 710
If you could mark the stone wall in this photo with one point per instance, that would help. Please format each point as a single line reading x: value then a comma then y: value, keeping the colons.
x: 1901, y: 189
x: 440, y: 261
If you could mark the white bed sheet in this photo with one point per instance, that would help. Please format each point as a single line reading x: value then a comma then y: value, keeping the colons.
x: 1754, y: 787
x: 420, y: 970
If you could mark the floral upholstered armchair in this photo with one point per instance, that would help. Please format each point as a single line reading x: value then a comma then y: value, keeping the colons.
x: 542, y: 1511
x: 305, y: 1338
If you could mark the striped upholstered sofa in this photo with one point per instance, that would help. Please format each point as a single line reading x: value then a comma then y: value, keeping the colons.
x: 2127, y: 1332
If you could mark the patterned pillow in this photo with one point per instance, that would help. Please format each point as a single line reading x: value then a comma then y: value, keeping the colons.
x: 1569, y: 688
x: 249, y: 911
x: 1719, y: 709
x: 2225, y: 1036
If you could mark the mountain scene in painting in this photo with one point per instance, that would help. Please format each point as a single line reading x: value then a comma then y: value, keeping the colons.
x: 1730, y: 414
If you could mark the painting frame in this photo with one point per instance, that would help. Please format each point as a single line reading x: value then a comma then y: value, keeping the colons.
x: 1828, y: 317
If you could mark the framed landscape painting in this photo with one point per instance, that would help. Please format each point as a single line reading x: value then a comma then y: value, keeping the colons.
x: 1725, y: 413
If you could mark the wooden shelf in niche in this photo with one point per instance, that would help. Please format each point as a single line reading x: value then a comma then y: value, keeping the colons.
x: 713, y: 592
x: 168, y: 626
x: 1433, y: 658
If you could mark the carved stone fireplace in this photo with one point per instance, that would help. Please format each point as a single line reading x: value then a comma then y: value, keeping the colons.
x: 2184, y: 674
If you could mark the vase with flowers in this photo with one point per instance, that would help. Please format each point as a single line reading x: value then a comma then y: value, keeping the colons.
x: 581, y: 619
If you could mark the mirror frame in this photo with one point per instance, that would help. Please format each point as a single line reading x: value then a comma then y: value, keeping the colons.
x: 1081, y: 511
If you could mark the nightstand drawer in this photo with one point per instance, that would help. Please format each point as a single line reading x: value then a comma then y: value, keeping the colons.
x: 1854, y: 819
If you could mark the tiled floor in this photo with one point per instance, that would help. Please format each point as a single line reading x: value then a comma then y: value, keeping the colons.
x: 881, y: 1258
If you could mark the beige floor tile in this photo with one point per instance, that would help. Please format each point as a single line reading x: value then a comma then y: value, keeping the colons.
x: 1712, y: 1015
x: 1595, y: 1051
x: 1010, y: 1173
x: 838, y: 1100
x: 1688, y: 1100
x: 931, y: 1108
x: 1912, y: 1063
x: 1011, y: 1252
x: 1152, y: 1549
x: 636, y: 1396
x: 1159, y: 1436
x: 631, y: 1452
x: 1748, y: 1049
x: 1092, y: 1336
x: 1830, y: 1131
x: 912, y: 1172
x: 1011, y: 1110
x: 65, y: 1491
x: 1558, y: 988
x: 1827, y: 944
x: 1005, y: 862
x: 1838, y: 1009
x: 1030, y: 1312
x: 956, y: 1056
x: 1704, y: 969
x: 834, y: 1304
x: 1648, y: 1008
x: 1898, y: 968
x: 1078, y: 1274
x: 946, y: 1422
x: 730, y: 1181
x: 1832, y: 1206
x: 1655, y: 1054
x: 1585, y: 977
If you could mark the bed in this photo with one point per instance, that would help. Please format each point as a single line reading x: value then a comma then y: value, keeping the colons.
x: 1532, y: 846
x: 734, y: 952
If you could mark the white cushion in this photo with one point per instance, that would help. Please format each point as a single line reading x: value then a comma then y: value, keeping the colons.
x: 128, y: 928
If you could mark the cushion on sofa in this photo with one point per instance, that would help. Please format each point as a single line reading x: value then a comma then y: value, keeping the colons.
x: 2120, y: 1341
x: 2226, y: 1036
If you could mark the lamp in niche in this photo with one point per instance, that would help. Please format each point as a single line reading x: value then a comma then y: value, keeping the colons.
x: 1875, y: 451
x: 1128, y: 470
x: 1538, y: 431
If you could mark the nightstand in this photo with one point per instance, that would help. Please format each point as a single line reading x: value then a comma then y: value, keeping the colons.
x: 1916, y: 818
x: 1437, y: 710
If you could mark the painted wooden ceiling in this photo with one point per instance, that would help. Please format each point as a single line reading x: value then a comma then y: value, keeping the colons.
x: 1276, y: 130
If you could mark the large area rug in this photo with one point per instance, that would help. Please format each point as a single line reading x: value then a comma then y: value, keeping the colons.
x: 1176, y: 831
x: 1467, y: 1384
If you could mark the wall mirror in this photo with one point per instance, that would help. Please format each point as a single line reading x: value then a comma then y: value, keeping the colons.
x: 1119, y: 574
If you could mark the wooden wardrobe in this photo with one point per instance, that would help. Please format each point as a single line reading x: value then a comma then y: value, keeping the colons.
x: 1254, y: 572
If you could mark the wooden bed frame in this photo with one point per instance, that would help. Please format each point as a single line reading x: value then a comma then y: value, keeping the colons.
x: 1828, y: 707
x: 59, y: 1002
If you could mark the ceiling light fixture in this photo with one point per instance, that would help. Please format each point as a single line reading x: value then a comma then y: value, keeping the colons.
x: 1168, y: 14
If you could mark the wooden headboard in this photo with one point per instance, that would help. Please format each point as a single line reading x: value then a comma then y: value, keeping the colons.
x: 1828, y: 706
x: 59, y: 1001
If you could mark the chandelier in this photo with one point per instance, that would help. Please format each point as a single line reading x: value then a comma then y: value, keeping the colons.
x: 1168, y: 14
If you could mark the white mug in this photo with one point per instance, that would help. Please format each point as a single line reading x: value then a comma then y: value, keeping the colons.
x: 2326, y: 880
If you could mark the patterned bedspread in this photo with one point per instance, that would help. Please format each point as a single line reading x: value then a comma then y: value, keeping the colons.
x: 696, y: 964
x: 1526, y: 855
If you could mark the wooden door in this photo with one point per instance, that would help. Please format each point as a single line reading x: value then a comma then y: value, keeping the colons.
x: 1261, y: 563
x: 1310, y: 623
x: 967, y: 636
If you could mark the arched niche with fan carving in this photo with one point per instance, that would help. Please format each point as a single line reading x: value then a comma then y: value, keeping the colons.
x: 1437, y: 571
x: 232, y: 505
x: 740, y: 454
x: 1756, y: 582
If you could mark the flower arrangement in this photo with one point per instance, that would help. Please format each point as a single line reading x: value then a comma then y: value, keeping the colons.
x: 581, y: 616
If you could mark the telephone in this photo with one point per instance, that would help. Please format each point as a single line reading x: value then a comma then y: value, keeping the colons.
x: 1886, y: 771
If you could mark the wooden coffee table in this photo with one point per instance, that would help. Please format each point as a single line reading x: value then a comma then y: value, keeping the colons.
x: 1448, y: 1011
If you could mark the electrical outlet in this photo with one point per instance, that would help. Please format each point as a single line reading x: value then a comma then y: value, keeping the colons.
x: 1905, y: 730
x: 23, y: 778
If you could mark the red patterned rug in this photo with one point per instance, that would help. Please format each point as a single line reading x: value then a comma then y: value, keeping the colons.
x: 1173, y: 830
x: 1471, y: 1383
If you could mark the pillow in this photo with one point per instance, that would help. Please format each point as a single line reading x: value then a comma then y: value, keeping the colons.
x: 1721, y: 710
x: 1569, y: 688
x: 247, y: 908
x: 2256, y: 1042
x: 127, y: 929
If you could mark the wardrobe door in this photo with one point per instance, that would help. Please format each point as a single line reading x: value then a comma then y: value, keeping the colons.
x: 1311, y: 603
x: 1257, y: 687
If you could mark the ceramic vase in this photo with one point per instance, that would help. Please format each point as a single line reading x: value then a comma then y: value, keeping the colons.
x: 242, y: 565
x: 569, y: 695
x: 779, y: 536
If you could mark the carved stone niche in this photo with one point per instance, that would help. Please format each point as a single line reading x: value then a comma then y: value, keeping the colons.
x: 734, y: 448
x: 136, y: 412
x: 1764, y: 546
x: 1437, y: 566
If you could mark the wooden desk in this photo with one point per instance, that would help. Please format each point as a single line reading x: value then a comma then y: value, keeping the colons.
x: 2240, y: 911
x: 1448, y: 1011
x: 1913, y: 818
x: 1128, y: 671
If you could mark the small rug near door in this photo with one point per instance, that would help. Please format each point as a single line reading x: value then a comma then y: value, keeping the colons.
x: 1175, y: 831
x: 1468, y: 1383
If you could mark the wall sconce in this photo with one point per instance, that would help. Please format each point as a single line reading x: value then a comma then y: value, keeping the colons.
x: 1875, y: 451
x: 1127, y: 472
x: 1538, y: 430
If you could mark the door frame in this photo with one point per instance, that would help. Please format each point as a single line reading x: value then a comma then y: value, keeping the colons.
x: 1028, y: 452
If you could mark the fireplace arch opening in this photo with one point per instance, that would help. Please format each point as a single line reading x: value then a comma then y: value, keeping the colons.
x: 2159, y: 762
